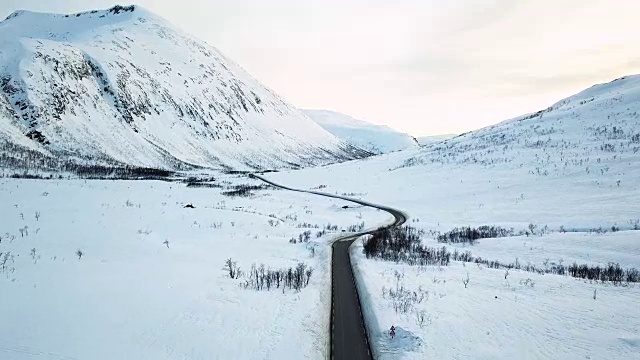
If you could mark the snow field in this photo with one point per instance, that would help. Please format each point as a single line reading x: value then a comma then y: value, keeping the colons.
x: 132, y: 297
x: 545, y: 317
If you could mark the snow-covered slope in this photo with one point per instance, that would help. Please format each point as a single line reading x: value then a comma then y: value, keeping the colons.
x: 375, y: 138
x: 432, y: 139
x: 585, y: 145
x: 590, y: 132
x: 567, y: 176
x: 123, y: 86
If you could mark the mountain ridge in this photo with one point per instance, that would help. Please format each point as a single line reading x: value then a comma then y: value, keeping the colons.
x: 122, y: 86
x: 377, y: 139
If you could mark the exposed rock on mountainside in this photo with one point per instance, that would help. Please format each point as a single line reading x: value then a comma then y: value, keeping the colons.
x: 123, y: 87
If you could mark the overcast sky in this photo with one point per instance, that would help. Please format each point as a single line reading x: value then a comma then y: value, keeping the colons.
x: 420, y: 66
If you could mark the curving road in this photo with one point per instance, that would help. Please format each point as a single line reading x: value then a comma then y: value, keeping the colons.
x: 349, y: 339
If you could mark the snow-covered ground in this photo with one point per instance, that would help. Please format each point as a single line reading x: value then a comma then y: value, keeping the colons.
x: 134, y: 296
x: 375, y: 138
x: 526, y: 316
x: 573, y: 167
x: 433, y: 139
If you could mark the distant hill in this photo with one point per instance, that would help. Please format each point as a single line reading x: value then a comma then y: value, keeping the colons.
x: 375, y: 138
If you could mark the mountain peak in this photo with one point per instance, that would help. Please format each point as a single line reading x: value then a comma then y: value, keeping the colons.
x: 115, y: 10
x: 124, y: 86
x: 22, y: 18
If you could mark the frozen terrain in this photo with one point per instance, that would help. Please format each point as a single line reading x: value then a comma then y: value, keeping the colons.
x: 567, y: 176
x: 374, y: 138
x: 526, y: 316
x: 151, y: 283
x: 138, y: 269
x: 432, y: 139
x: 124, y: 87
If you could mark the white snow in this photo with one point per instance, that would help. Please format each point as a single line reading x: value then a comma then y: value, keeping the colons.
x: 432, y: 139
x: 132, y: 297
x: 377, y: 139
x: 574, y: 167
x: 128, y: 87
x: 547, y: 317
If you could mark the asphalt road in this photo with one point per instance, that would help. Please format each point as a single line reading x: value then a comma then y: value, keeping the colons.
x: 349, y: 338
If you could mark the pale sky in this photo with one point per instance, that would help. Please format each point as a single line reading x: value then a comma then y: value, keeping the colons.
x: 420, y: 66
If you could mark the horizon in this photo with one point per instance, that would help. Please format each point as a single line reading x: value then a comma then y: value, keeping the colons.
x: 424, y: 69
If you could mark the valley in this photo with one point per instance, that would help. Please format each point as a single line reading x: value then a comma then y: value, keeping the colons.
x: 159, y: 202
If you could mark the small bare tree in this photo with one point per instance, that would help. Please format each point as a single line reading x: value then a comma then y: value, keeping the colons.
x: 4, y: 259
x: 466, y: 281
x: 79, y: 253
x: 231, y: 267
x: 420, y: 318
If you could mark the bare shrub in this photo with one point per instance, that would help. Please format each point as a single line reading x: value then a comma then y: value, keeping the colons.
x: 231, y: 268
x: 403, y: 244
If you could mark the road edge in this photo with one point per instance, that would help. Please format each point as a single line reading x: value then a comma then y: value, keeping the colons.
x: 400, y: 218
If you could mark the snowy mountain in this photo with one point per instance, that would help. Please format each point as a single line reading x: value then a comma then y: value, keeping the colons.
x: 432, y: 139
x: 589, y: 132
x: 375, y: 138
x: 124, y: 87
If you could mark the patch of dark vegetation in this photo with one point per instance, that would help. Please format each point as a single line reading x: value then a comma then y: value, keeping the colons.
x: 356, y: 227
x: 197, y: 184
x: 202, y: 182
x: 246, y: 190
x: 612, y: 272
x: 263, y: 278
x: 37, y: 136
x: 26, y: 175
x: 470, y: 235
x: 100, y: 172
x: 403, y: 244
x: 119, y: 8
x: 302, y: 238
x: 238, y: 172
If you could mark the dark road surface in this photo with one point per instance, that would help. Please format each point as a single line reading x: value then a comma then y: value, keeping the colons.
x: 349, y: 338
